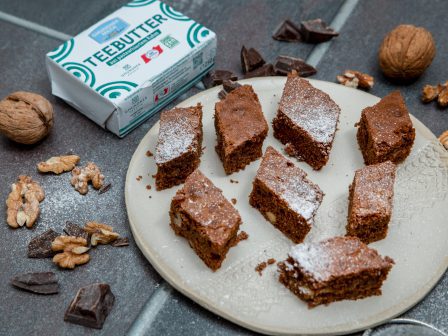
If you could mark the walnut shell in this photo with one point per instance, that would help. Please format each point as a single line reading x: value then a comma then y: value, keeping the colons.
x: 406, y: 52
x: 25, y: 117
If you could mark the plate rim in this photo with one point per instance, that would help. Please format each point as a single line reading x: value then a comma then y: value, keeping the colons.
x: 169, y: 276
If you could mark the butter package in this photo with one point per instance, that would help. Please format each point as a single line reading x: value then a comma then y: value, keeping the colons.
x: 131, y: 64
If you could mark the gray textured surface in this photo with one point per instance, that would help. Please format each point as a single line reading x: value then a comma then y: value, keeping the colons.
x: 131, y: 277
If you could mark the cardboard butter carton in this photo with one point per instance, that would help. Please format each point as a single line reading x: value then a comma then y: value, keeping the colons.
x: 131, y: 64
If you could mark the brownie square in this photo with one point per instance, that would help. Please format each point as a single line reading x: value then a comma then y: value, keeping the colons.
x: 284, y: 196
x: 200, y: 213
x: 338, y: 268
x: 240, y: 128
x: 179, y: 145
x: 370, y: 202
x: 306, y: 121
x: 385, y: 131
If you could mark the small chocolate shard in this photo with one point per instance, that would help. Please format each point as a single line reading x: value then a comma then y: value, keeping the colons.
x: 264, y: 71
x: 40, y: 246
x: 316, y: 31
x: 120, y: 242
x: 91, y: 306
x: 75, y: 230
x: 216, y: 77
x: 227, y: 87
x: 285, y: 64
x: 44, y: 283
x: 250, y: 59
x: 287, y: 31
x: 105, y: 188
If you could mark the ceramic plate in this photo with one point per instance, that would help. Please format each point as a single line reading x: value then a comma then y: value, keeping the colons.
x: 416, y: 241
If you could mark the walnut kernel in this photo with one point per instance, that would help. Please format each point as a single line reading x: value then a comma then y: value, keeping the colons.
x: 74, y: 251
x: 58, y: 164
x: 82, y: 176
x: 356, y: 79
x: 443, y: 138
x: 100, y: 233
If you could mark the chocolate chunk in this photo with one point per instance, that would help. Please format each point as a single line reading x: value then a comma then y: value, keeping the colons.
x: 250, y: 59
x: 265, y: 70
x: 39, y: 282
x: 214, y: 78
x: 40, y: 246
x: 121, y: 241
x: 285, y: 64
x: 105, y: 188
x: 91, y: 306
x: 75, y: 230
x: 287, y: 31
x: 228, y: 86
x: 316, y: 31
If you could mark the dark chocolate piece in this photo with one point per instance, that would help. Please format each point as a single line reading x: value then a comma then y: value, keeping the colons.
x: 91, y: 306
x: 75, y: 230
x: 285, y: 64
x: 105, y: 188
x: 216, y: 77
x: 287, y: 31
x: 316, y: 31
x: 263, y: 71
x: 121, y: 241
x: 250, y: 59
x: 227, y: 87
x: 40, y: 246
x: 39, y: 282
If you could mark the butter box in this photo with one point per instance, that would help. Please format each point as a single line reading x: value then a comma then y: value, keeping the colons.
x: 131, y: 64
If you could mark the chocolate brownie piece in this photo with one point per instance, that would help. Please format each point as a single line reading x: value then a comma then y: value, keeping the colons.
x: 385, y: 131
x: 284, y: 196
x: 338, y: 268
x: 370, y: 202
x: 306, y: 121
x: 179, y: 145
x: 200, y: 213
x: 240, y: 127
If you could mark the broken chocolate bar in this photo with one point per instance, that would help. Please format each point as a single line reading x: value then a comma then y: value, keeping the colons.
x: 287, y: 31
x: 75, y: 230
x: 40, y: 246
x: 214, y: 78
x: 285, y: 64
x: 250, y: 59
x: 227, y: 87
x: 263, y: 71
x: 316, y: 31
x: 120, y: 242
x: 91, y: 306
x: 105, y: 188
x: 39, y: 282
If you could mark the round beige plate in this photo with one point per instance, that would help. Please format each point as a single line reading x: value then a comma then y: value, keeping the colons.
x: 416, y: 241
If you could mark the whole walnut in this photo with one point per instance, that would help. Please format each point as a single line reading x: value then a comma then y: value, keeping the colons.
x: 406, y: 52
x: 25, y: 117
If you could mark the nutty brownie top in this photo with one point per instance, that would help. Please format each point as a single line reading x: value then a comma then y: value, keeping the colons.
x: 178, y: 132
x: 374, y: 189
x: 388, y: 120
x: 240, y: 117
x: 335, y: 257
x: 290, y: 184
x: 207, y: 206
x: 311, y: 109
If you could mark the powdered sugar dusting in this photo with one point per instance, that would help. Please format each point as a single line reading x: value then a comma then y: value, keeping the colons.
x: 311, y: 109
x: 177, y: 134
x: 290, y: 184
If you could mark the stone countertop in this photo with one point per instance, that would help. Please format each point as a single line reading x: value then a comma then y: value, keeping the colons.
x: 146, y: 305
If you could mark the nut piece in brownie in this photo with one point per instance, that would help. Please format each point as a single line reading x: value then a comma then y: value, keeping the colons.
x: 200, y: 213
x: 284, y: 196
x: 179, y: 145
x: 306, y: 121
x: 338, y: 268
x: 240, y: 127
x: 385, y: 131
x: 370, y: 202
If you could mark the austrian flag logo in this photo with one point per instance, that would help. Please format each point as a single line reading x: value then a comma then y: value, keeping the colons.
x: 152, y: 53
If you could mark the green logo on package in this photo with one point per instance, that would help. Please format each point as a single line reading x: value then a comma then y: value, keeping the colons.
x: 61, y: 52
x: 139, y: 3
x: 172, y: 14
x: 81, y: 71
x: 169, y: 42
x: 113, y: 90
x: 196, y: 33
